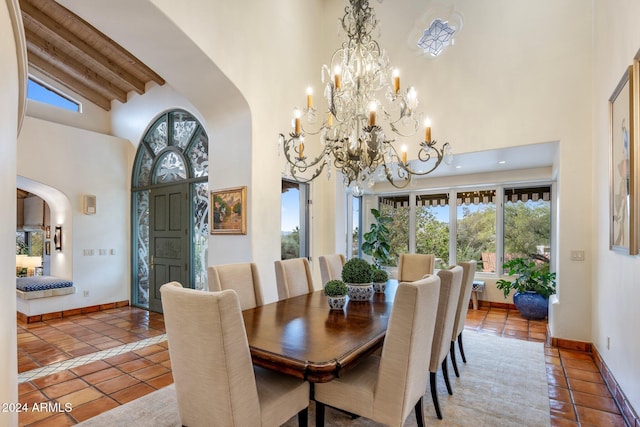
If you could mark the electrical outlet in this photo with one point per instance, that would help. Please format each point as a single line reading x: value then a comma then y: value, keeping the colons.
x: 85, y: 293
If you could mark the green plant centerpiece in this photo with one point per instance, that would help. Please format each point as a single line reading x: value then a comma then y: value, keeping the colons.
x: 336, y: 292
x: 379, y: 278
x: 356, y: 273
x: 376, y: 240
x: 533, y: 283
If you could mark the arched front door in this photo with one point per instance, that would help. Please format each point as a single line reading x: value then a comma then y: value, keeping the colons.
x: 170, y: 212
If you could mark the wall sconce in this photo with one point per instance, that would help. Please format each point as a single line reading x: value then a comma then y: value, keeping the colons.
x: 57, y: 238
x: 47, y: 232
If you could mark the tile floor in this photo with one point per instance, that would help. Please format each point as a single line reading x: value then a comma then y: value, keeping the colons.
x: 97, y: 361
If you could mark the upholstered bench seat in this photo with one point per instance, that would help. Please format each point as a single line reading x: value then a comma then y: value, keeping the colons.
x: 42, y: 287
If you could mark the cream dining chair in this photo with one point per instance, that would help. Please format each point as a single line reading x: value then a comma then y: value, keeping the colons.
x: 215, y: 381
x: 331, y: 267
x: 385, y: 388
x: 293, y: 277
x: 450, y: 283
x: 412, y: 267
x: 468, y: 273
x: 242, y: 278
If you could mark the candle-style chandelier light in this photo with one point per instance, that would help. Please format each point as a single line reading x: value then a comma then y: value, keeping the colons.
x: 361, y: 87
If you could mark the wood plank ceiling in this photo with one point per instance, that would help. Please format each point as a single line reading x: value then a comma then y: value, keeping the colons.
x: 67, y: 49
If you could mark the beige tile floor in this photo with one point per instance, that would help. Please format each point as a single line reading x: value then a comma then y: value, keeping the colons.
x: 97, y: 361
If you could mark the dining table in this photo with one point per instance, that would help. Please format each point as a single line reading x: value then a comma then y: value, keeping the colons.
x: 302, y: 337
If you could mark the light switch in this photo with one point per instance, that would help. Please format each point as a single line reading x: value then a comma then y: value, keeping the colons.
x: 577, y: 255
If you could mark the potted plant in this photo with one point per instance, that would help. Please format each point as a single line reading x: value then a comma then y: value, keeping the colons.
x: 533, y: 283
x: 379, y: 278
x: 336, y: 292
x: 376, y: 240
x: 356, y: 273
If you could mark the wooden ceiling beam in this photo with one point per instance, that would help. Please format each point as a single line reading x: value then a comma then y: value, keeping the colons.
x: 69, y: 82
x: 40, y: 47
x: 61, y: 35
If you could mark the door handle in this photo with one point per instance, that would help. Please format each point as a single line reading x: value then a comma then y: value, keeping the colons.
x: 152, y: 263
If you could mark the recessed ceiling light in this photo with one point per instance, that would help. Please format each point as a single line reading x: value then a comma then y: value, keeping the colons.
x: 458, y: 167
x: 502, y: 162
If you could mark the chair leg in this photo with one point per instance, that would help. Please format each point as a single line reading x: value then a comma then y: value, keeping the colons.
x: 452, y: 351
x: 445, y: 373
x: 464, y: 359
x: 419, y: 413
x: 319, y: 414
x: 303, y: 417
x: 434, y: 394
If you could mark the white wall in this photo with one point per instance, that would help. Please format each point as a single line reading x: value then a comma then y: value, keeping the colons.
x: 270, y: 56
x: 11, y: 80
x: 506, y: 83
x: 77, y: 162
x: 615, y: 314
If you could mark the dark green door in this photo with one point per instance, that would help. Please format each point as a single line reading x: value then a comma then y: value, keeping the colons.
x: 168, y: 239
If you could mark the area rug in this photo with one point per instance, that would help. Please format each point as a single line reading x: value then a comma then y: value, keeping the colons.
x: 503, y: 383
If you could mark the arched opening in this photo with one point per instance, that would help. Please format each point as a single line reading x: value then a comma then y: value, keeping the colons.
x: 60, y: 214
x: 170, y: 208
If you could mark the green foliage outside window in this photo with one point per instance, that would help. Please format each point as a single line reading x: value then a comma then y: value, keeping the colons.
x: 290, y: 244
x: 527, y: 232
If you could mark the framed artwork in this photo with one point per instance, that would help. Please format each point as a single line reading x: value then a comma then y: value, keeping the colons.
x: 622, y: 229
x: 228, y: 211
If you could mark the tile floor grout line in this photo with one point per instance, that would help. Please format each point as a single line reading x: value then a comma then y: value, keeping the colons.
x: 89, y: 358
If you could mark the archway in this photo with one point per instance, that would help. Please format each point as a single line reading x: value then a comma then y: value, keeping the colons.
x: 170, y: 225
x: 60, y: 214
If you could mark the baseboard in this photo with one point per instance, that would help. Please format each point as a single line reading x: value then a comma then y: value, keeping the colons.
x: 630, y: 415
x: 494, y: 304
x: 23, y: 318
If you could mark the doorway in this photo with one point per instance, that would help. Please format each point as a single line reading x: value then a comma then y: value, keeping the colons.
x: 170, y: 226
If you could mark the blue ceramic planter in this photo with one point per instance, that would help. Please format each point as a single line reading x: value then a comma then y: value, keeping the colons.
x: 531, y: 305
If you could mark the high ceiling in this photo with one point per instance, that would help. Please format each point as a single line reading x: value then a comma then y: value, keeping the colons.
x: 73, y: 53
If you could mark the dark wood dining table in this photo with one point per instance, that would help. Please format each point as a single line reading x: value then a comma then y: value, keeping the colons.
x: 301, y: 337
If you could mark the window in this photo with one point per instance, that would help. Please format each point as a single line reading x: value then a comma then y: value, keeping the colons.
x: 527, y: 223
x: 40, y: 92
x: 354, y: 240
x: 293, y: 220
x: 478, y: 227
x: 398, y: 208
x: 432, y: 227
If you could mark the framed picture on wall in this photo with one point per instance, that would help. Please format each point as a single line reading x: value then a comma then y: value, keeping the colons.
x: 228, y: 211
x: 622, y: 168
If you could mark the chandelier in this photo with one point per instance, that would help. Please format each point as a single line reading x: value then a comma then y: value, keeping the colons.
x: 363, y: 92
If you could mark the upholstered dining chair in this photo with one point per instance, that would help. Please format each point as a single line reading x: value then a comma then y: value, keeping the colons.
x: 214, y: 378
x: 468, y: 273
x: 450, y: 283
x: 412, y: 267
x: 331, y: 267
x: 385, y: 388
x: 293, y: 277
x: 242, y: 278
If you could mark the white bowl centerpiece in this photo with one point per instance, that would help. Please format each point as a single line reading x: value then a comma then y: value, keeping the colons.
x: 356, y: 273
x: 336, y: 292
x: 379, y: 278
